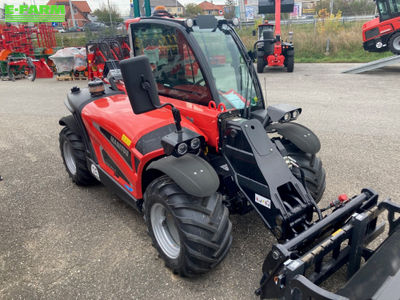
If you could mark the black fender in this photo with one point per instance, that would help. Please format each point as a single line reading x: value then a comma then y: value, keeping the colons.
x: 290, y: 52
x: 304, y: 139
x: 191, y: 173
x: 70, y: 122
x: 76, y: 124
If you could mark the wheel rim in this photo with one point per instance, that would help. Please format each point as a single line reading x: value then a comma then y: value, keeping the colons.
x: 165, y: 230
x: 69, y: 159
x: 396, y: 43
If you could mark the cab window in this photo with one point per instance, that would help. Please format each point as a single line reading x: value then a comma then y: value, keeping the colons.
x: 383, y: 10
x: 175, y: 68
x: 394, y: 7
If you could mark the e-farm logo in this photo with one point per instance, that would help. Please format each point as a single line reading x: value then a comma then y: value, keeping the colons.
x: 34, y: 13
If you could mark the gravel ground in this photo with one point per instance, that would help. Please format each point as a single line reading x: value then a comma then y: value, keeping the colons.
x: 63, y: 241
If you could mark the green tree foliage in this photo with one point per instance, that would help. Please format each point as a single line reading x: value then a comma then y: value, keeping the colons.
x: 348, y: 8
x: 103, y: 15
x: 192, y: 10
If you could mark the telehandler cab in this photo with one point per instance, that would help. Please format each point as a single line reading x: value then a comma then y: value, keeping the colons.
x: 182, y: 133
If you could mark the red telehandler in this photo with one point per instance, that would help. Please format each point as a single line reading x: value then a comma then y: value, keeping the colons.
x: 270, y: 50
x: 182, y: 133
x: 383, y: 33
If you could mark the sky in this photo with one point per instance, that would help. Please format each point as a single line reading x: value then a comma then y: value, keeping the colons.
x: 121, y: 5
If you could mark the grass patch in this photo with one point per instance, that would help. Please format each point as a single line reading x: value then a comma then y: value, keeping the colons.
x: 310, y: 42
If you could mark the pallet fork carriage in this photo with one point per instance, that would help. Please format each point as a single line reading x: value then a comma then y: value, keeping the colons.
x: 182, y: 133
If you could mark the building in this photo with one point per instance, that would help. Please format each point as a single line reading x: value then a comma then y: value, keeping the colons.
x: 211, y: 9
x: 174, y: 7
x: 81, y: 11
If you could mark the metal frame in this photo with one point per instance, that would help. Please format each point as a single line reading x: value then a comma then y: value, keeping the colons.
x: 376, y: 64
x: 295, y: 268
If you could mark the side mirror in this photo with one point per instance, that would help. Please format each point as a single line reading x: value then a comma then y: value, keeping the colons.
x: 140, y: 84
x: 254, y: 33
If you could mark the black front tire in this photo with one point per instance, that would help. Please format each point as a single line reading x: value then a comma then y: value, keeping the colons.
x: 72, y: 143
x: 289, y: 62
x: 260, y: 64
x: 394, y: 43
x: 314, y: 173
x: 202, y: 228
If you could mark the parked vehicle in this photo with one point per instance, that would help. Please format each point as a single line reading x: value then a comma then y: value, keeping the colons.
x: 95, y: 26
x: 270, y: 49
x: 61, y: 29
x: 182, y: 133
x: 383, y: 33
x: 75, y: 29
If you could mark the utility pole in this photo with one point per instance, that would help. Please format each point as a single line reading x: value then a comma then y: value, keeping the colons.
x: 242, y: 11
x: 71, y: 9
x: 331, y: 7
x: 109, y: 13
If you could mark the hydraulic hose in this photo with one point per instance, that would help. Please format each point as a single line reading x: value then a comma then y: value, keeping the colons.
x: 303, y: 181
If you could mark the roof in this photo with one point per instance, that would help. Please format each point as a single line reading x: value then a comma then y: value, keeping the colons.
x: 166, y: 3
x: 82, y: 6
x: 205, y: 5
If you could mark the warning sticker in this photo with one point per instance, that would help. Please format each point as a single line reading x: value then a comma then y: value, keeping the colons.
x: 263, y: 201
x: 126, y: 140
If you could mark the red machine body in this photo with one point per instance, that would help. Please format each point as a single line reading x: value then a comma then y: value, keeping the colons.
x: 19, y: 39
x: 383, y: 33
x: 42, y: 68
x: 115, y: 115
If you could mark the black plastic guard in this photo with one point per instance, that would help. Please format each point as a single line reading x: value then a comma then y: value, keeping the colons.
x: 304, y: 139
x: 192, y: 173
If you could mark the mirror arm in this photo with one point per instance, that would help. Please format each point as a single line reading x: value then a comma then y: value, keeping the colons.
x: 175, y: 112
x: 177, y: 116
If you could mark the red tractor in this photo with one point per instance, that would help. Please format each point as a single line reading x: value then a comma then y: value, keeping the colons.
x: 383, y: 33
x: 270, y: 50
x: 183, y: 135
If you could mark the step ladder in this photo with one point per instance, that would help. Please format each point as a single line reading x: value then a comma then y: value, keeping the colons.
x: 376, y: 64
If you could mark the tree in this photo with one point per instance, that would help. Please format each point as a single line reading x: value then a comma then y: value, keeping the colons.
x: 348, y: 8
x: 103, y: 15
x: 229, y: 10
x: 192, y: 10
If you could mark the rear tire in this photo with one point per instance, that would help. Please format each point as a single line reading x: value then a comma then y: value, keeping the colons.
x: 311, y: 165
x: 260, y: 64
x: 289, y: 62
x: 191, y: 234
x: 73, y: 153
x: 394, y: 43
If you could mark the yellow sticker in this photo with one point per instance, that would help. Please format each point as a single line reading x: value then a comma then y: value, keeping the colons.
x: 126, y: 140
x: 337, y: 232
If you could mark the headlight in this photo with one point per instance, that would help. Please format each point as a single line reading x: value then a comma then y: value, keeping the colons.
x: 189, y: 23
x: 295, y: 114
x: 182, y: 148
x: 287, y: 117
x: 235, y: 21
x: 195, y: 143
